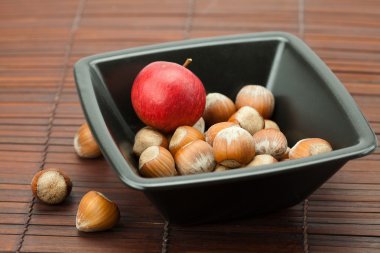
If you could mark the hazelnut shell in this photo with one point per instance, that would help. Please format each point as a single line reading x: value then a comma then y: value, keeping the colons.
x: 51, y: 186
x: 262, y: 160
x: 156, y: 161
x: 200, y: 125
x: 182, y: 136
x: 147, y: 137
x: 248, y: 118
x: 96, y: 213
x: 309, y: 147
x: 85, y: 144
x: 233, y: 147
x: 270, y: 141
x: 215, y: 129
x: 218, y: 108
x: 258, y: 97
x: 195, y: 157
x: 270, y: 124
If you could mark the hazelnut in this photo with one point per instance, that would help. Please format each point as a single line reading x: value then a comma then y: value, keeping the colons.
x: 85, y: 144
x: 220, y: 168
x: 96, y: 213
x: 270, y: 124
x: 309, y: 147
x: 262, y: 160
x: 257, y: 97
x: 182, y: 136
x: 285, y: 156
x: 270, y: 141
x: 195, y: 157
x: 215, y: 129
x: 233, y: 147
x: 200, y: 125
x: 147, y: 137
x: 51, y: 186
x: 248, y: 118
x: 156, y: 161
x: 218, y: 108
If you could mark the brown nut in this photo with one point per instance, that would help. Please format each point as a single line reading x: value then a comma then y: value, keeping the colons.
x: 262, y: 160
x: 215, y: 129
x: 51, y: 186
x: 309, y: 147
x: 220, y: 168
x: 257, y: 97
x: 85, y: 144
x: 248, y: 118
x: 285, y: 156
x: 96, y: 213
x: 182, y: 136
x: 270, y: 141
x: 156, y: 161
x: 200, y: 125
x: 270, y: 124
x: 218, y: 108
x: 195, y: 157
x: 233, y: 147
x: 147, y: 137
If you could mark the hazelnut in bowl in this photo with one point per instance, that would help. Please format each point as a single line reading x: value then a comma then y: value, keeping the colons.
x: 310, y: 102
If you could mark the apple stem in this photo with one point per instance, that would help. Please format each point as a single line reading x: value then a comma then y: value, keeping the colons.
x: 187, y: 62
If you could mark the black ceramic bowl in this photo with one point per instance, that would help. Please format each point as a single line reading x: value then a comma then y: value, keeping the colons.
x: 310, y: 102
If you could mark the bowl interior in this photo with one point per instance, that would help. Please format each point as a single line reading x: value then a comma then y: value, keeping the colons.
x: 305, y: 105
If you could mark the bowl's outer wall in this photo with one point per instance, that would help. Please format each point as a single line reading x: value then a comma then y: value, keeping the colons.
x: 304, y: 108
x: 241, y: 198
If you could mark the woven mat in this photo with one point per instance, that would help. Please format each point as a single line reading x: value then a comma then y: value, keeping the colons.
x: 39, y: 114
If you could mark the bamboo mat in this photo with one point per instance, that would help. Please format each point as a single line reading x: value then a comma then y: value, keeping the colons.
x: 40, y: 112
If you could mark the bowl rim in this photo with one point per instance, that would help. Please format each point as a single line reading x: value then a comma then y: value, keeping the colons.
x: 87, y: 65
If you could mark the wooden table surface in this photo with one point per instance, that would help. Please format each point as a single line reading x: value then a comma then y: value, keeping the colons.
x: 40, y: 112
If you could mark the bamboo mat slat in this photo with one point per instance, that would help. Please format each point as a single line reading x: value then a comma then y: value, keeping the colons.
x: 40, y: 113
x: 343, y: 214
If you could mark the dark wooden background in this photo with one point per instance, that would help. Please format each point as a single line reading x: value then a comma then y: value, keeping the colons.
x: 39, y: 114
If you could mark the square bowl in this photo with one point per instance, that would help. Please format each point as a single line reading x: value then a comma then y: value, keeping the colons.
x: 310, y: 102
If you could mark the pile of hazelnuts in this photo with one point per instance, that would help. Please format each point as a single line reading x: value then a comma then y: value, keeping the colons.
x: 239, y: 135
x: 52, y: 186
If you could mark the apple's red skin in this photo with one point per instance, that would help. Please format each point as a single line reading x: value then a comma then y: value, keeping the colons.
x: 166, y: 95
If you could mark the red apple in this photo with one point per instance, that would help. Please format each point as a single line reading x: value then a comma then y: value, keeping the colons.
x: 166, y: 95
